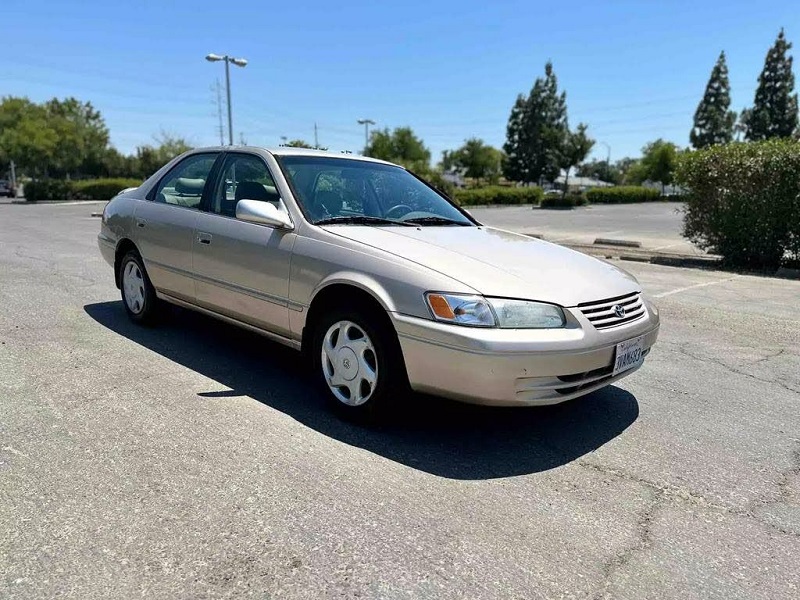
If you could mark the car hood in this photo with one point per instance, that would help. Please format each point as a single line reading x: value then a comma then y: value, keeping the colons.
x: 500, y: 263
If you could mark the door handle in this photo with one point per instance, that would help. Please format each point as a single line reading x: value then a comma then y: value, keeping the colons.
x: 141, y: 222
x: 204, y: 238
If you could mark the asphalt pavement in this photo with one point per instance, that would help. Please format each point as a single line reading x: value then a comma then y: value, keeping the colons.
x: 195, y: 460
x: 656, y: 225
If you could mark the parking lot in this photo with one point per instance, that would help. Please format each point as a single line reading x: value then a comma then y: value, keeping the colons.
x: 195, y: 460
x: 657, y: 225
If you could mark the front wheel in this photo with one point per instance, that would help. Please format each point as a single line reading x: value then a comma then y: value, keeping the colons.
x: 358, y: 363
x: 138, y: 294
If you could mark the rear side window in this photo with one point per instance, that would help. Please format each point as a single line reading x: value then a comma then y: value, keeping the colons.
x: 185, y: 183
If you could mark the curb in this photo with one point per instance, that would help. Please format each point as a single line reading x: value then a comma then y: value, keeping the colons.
x: 623, y: 243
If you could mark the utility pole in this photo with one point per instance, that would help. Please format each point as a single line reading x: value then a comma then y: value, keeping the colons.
x: 316, y: 138
x: 242, y: 141
x: 366, y: 123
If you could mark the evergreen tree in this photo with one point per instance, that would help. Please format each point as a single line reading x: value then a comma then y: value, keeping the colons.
x: 515, y: 167
x: 774, y: 112
x: 576, y: 148
x: 537, y: 132
x: 713, y: 121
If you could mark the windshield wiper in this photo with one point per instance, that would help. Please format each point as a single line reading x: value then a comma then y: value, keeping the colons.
x: 437, y: 221
x: 361, y: 220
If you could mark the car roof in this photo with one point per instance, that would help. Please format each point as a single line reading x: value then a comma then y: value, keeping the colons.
x: 290, y: 151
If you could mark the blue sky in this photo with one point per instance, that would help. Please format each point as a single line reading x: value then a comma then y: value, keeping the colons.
x: 633, y: 70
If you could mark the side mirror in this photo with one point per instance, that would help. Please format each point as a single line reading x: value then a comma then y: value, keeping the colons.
x: 263, y: 213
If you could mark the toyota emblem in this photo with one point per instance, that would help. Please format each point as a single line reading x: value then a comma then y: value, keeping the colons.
x: 619, y: 310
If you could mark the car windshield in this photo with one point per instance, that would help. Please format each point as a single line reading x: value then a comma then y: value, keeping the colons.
x: 346, y: 191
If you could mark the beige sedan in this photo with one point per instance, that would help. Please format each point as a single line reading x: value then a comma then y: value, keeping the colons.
x: 384, y: 281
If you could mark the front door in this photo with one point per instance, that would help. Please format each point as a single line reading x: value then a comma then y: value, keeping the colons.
x: 166, y: 222
x: 242, y: 269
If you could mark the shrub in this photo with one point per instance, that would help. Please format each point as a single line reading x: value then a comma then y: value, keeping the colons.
x: 496, y: 194
x: 48, y: 189
x: 101, y: 189
x: 90, y: 189
x: 744, y: 201
x: 568, y: 201
x: 437, y: 180
x: 626, y: 194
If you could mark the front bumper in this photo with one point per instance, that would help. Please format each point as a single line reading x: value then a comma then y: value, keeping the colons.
x: 515, y: 367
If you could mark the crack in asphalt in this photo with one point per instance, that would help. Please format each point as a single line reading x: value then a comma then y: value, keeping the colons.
x: 643, y: 542
x: 780, y: 352
x: 783, y: 483
x: 694, y: 499
x: 682, y: 350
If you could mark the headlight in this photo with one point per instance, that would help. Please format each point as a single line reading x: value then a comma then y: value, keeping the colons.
x: 473, y: 311
x: 522, y: 314
x: 477, y: 311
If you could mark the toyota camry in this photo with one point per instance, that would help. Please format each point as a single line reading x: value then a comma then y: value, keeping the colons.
x: 383, y: 282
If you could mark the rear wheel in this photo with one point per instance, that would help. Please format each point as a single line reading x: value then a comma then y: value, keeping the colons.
x: 358, y: 363
x: 138, y: 294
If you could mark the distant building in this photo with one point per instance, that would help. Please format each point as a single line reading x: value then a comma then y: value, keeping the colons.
x: 454, y: 177
x: 581, y: 184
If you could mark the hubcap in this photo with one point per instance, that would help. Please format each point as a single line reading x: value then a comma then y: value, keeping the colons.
x: 133, y: 285
x: 349, y: 363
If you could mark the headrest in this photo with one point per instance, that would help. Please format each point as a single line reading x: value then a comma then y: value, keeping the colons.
x: 194, y: 187
x: 252, y: 190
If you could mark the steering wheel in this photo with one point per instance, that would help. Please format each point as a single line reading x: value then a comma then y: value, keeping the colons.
x: 398, y: 207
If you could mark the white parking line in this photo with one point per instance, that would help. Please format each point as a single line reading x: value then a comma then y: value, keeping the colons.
x: 696, y: 285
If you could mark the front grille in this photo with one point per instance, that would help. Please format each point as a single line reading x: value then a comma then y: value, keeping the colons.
x: 602, y: 313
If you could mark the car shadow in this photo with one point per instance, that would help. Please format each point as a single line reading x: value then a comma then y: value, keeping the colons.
x: 444, y: 438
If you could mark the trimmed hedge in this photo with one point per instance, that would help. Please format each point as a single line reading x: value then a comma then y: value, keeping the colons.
x: 568, y: 201
x: 89, y: 189
x: 498, y: 195
x: 744, y: 201
x: 102, y: 189
x: 626, y: 194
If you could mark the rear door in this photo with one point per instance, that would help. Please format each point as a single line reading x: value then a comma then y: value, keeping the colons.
x: 165, y: 224
x: 242, y: 269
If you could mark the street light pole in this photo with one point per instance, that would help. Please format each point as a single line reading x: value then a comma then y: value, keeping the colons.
x: 228, y: 89
x: 366, y: 123
x: 608, y: 160
x: 239, y: 62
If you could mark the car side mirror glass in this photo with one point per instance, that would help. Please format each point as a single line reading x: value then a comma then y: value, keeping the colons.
x: 262, y: 213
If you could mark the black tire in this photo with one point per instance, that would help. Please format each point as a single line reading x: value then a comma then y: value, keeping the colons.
x: 391, y: 382
x: 142, y: 308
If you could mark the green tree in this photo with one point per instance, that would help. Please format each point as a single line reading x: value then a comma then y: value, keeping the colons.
x: 476, y: 159
x: 400, y: 146
x: 602, y: 170
x: 516, y: 167
x: 151, y: 158
x: 658, y: 163
x: 576, y: 148
x: 26, y: 137
x: 774, y: 112
x: 713, y: 119
x: 298, y: 144
x: 537, y: 131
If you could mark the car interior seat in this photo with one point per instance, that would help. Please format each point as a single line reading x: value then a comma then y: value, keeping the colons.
x: 249, y: 190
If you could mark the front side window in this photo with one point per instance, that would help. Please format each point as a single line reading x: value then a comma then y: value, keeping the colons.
x: 341, y: 190
x: 244, y: 177
x: 184, y: 184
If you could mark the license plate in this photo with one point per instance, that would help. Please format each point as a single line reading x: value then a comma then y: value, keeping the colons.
x: 628, y: 355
